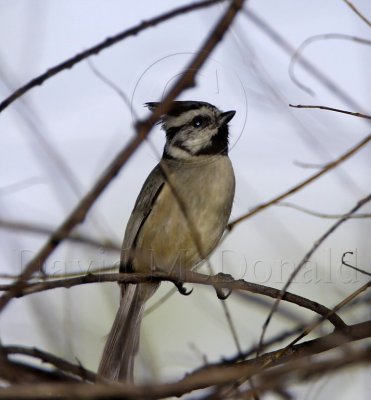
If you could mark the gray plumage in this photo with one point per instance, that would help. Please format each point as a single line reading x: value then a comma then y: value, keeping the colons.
x: 178, y: 218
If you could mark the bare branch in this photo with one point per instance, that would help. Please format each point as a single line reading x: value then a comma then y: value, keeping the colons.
x: 44, y: 230
x: 17, y: 372
x: 208, y: 376
x: 355, y: 114
x: 143, y: 128
x: 49, y: 358
x: 319, y: 214
x: 353, y: 7
x: 290, y: 49
x: 328, y: 167
x: 306, y: 369
x: 68, y: 64
x: 309, y: 254
x: 216, y: 281
x: 292, y: 351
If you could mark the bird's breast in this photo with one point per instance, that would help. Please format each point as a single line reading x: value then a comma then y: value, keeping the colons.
x: 189, y: 215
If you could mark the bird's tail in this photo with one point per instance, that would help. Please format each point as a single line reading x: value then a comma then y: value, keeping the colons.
x: 117, y: 361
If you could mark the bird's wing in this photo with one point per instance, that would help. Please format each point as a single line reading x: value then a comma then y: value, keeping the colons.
x: 142, y: 208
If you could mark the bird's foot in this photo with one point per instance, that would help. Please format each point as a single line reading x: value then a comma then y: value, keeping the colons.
x: 182, y: 289
x: 223, y: 294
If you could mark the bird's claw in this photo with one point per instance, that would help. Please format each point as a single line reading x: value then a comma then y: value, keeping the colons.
x: 220, y: 293
x: 223, y: 295
x: 182, y: 289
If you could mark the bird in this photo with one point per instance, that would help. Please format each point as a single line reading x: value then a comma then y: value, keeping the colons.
x: 178, y: 218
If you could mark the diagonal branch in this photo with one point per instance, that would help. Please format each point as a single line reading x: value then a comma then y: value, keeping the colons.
x: 143, y: 128
x: 59, y: 363
x: 328, y: 167
x: 309, y: 254
x: 44, y: 230
x: 71, y: 62
x: 354, y: 8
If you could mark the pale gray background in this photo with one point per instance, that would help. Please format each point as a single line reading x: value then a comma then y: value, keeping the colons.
x: 87, y: 123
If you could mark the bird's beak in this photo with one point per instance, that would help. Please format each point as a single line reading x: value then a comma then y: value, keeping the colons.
x: 225, y: 117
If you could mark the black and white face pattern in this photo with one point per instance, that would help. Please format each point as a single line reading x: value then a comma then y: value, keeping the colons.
x: 194, y: 129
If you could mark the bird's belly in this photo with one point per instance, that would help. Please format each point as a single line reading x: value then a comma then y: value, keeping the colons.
x: 183, y: 229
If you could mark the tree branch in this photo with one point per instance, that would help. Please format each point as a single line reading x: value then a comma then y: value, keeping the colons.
x: 353, y: 7
x: 71, y: 62
x: 217, y: 281
x: 355, y: 114
x: 309, y: 254
x: 328, y: 167
x: 44, y: 230
x: 59, y: 363
x: 215, y: 375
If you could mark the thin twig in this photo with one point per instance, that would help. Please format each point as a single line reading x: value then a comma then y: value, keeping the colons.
x: 355, y: 114
x: 21, y: 185
x: 290, y: 49
x: 319, y: 214
x: 343, y: 262
x: 309, y: 254
x: 328, y: 36
x: 112, y: 86
x: 143, y: 128
x: 306, y: 369
x: 20, y: 373
x: 71, y: 62
x: 217, y: 281
x: 328, y: 167
x: 49, y: 358
x: 353, y: 7
x: 44, y: 230
x: 293, y: 351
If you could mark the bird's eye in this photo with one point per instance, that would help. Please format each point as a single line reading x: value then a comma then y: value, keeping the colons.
x: 197, y: 122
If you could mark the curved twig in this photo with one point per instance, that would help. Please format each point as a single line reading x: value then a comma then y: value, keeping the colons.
x: 343, y: 262
x: 306, y: 42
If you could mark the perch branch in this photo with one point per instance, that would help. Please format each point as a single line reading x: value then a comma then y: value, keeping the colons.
x: 217, y: 281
